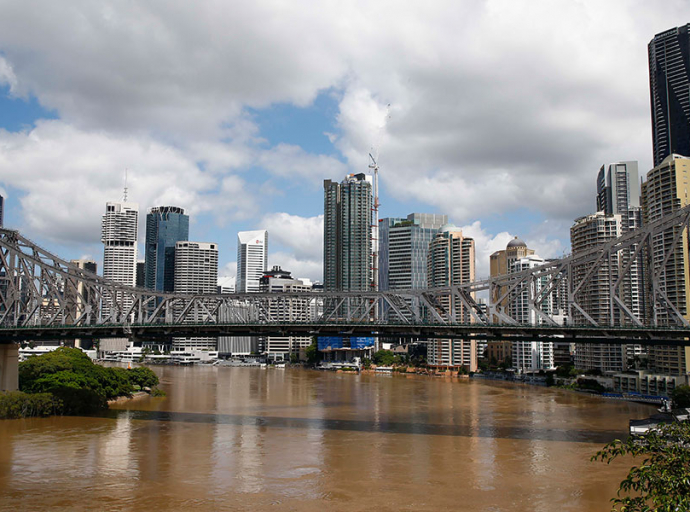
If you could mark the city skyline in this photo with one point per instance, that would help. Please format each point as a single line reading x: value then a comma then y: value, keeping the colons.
x: 258, y: 161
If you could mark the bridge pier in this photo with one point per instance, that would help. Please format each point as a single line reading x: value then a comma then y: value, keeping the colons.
x: 9, y: 367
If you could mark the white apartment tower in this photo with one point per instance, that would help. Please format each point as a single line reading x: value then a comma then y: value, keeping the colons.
x: 196, y: 271
x: 252, y: 260
x: 119, y: 237
x: 531, y: 356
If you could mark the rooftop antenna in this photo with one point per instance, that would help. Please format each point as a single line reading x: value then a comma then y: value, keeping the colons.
x: 125, y: 195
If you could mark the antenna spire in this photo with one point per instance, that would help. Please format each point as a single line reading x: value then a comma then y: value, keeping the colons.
x: 125, y: 194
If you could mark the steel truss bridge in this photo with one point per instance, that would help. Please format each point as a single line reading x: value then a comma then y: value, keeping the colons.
x: 45, y: 297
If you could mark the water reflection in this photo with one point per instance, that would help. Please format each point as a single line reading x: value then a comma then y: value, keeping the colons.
x: 238, y: 438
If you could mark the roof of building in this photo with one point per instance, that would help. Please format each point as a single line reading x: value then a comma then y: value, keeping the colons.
x: 516, y: 242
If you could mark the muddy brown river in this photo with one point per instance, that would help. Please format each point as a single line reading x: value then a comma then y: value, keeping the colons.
x: 271, y: 439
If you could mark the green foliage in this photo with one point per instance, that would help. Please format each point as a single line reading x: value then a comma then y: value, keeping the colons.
x: 681, y: 396
x: 312, y: 353
x: 157, y: 392
x: 366, y: 363
x: 661, y: 483
x: 73, y: 378
x: 16, y: 404
x: 589, y: 384
x: 294, y: 358
x: 384, y: 358
x: 143, y: 377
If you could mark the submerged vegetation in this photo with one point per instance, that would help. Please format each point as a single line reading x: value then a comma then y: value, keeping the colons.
x: 66, y: 381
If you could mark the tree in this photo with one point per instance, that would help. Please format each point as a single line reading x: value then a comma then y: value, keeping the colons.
x: 312, y: 353
x: 383, y: 358
x: 143, y: 377
x: 661, y: 483
x: 681, y: 396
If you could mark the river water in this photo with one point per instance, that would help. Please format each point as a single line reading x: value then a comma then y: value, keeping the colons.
x: 253, y: 439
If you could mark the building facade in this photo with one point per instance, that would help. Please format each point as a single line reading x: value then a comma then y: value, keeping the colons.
x: 252, y: 260
x: 403, y: 248
x: 531, y: 356
x: 196, y: 271
x: 665, y: 191
x: 595, y: 296
x: 165, y: 226
x: 119, y: 237
x: 277, y: 280
x: 669, y: 87
x: 348, y: 249
x: 451, y: 261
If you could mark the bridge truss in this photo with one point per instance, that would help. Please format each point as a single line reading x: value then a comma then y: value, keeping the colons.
x: 44, y: 296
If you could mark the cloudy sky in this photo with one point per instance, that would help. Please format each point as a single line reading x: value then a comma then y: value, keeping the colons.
x: 501, y: 113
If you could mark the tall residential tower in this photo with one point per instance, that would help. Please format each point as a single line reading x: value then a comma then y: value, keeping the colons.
x: 669, y: 87
x: 347, y: 241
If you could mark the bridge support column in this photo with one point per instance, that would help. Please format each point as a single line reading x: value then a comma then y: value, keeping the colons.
x: 9, y: 367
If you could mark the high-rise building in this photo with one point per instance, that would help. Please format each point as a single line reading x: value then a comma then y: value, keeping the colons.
x: 618, y: 193
x: 347, y: 249
x: 196, y: 271
x: 669, y: 87
x: 403, y: 248
x: 594, y: 297
x: 664, y: 192
x: 451, y: 261
x: 141, y: 270
x: 77, y: 295
x: 119, y: 237
x: 277, y: 280
x: 531, y: 356
x: 252, y: 260
x: 500, y: 263
x: 165, y: 226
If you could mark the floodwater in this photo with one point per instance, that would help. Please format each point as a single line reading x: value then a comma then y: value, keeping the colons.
x: 252, y: 439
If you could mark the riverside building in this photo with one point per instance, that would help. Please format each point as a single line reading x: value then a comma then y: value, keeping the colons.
x: 531, y: 356
x: 196, y: 272
x: 665, y: 191
x: 595, y: 296
x: 277, y: 280
x: 348, y: 258
x: 119, y: 229
x: 451, y: 261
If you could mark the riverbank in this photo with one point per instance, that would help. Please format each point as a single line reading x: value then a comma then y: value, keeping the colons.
x: 123, y: 399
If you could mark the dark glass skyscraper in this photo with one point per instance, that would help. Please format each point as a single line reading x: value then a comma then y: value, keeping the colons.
x: 165, y: 226
x: 669, y: 85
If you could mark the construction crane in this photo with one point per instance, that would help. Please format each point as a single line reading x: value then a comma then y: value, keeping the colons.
x: 375, y: 225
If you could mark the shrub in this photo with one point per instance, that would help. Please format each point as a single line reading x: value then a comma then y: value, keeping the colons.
x: 16, y: 404
x: 143, y: 377
x: 681, y: 396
